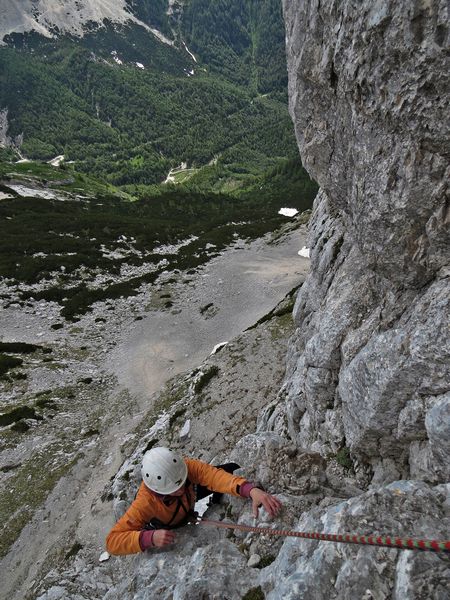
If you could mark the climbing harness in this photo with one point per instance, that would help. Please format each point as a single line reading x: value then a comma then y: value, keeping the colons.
x: 346, y: 538
x: 190, y: 516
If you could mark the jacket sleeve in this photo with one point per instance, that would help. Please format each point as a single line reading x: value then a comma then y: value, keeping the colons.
x: 124, y: 536
x: 216, y: 480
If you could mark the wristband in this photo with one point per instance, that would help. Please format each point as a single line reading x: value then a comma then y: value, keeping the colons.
x: 245, y: 489
x: 146, y: 539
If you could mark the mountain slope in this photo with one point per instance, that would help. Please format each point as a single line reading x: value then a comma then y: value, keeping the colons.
x: 52, y: 17
x: 242, y: 41
x: 128, y: 107
x: 128, y: 125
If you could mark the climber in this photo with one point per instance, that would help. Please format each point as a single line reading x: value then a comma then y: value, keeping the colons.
x: 166, y: 497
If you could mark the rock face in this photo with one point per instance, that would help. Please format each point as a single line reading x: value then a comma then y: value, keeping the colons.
x: 5, y: 140
x: 369, y: 367
x: 305, y: 569
x: 369, y: 364
x: 48, y: 17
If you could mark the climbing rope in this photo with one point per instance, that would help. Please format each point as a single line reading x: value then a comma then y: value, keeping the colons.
x: 346, y: 538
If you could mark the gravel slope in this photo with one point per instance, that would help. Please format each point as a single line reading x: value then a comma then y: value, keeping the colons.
x: 140, y: 345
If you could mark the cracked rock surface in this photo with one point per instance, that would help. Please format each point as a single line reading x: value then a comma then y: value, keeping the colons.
x: 369, y: 366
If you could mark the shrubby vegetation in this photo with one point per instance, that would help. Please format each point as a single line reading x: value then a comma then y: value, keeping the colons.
x: 8, y: 362
x: 51, y: 240
x: 205, y: 377
x: 8, y: 154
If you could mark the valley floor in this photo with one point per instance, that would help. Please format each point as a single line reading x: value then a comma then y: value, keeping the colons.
x: 104, y: 378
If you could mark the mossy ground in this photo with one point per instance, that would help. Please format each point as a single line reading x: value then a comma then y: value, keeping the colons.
x: 8, y: 362
x: 343, y: 458
x: 205, y: 378
x: 255, y: 593
x: 26, y: 489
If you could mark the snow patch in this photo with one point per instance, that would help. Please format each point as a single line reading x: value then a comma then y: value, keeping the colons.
x: 217, y: 347
x: 304, y: 252
x: 189, y: 52
x: 288, y: 212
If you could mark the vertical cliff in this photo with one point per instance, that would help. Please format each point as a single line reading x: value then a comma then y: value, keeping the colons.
x: 369, y: 366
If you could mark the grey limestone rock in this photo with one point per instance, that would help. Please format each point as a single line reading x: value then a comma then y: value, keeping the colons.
x: 279, y: 466
x: 367, y: 85
x: 197, y: 571
x: 317, y: 570
x: 369, y: 365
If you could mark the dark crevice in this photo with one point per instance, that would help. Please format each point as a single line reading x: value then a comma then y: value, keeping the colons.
x: 333, y: 77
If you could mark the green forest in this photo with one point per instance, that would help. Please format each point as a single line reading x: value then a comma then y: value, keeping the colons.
x: 123, y: 129
x: 241, y: 41
x: 127, y: 125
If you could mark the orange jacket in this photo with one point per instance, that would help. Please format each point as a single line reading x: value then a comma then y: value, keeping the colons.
x: 124, y: 536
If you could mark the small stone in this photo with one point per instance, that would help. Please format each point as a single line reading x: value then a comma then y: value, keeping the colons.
x: 104, y: 556
x: 185, y: 430
x: 254, y: 560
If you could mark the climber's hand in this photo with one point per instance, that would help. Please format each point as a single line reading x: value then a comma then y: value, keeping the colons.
x: 270, y: 503
x: 163, y: 537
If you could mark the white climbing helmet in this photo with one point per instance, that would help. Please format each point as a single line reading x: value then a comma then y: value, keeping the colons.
x: 163, y: 470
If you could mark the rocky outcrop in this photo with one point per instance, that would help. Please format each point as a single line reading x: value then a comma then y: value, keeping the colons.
x: 212, y: 564
x: 312, y: 570
x: 5, y: 140
x: 52, y: 17
x: 369, y: 366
